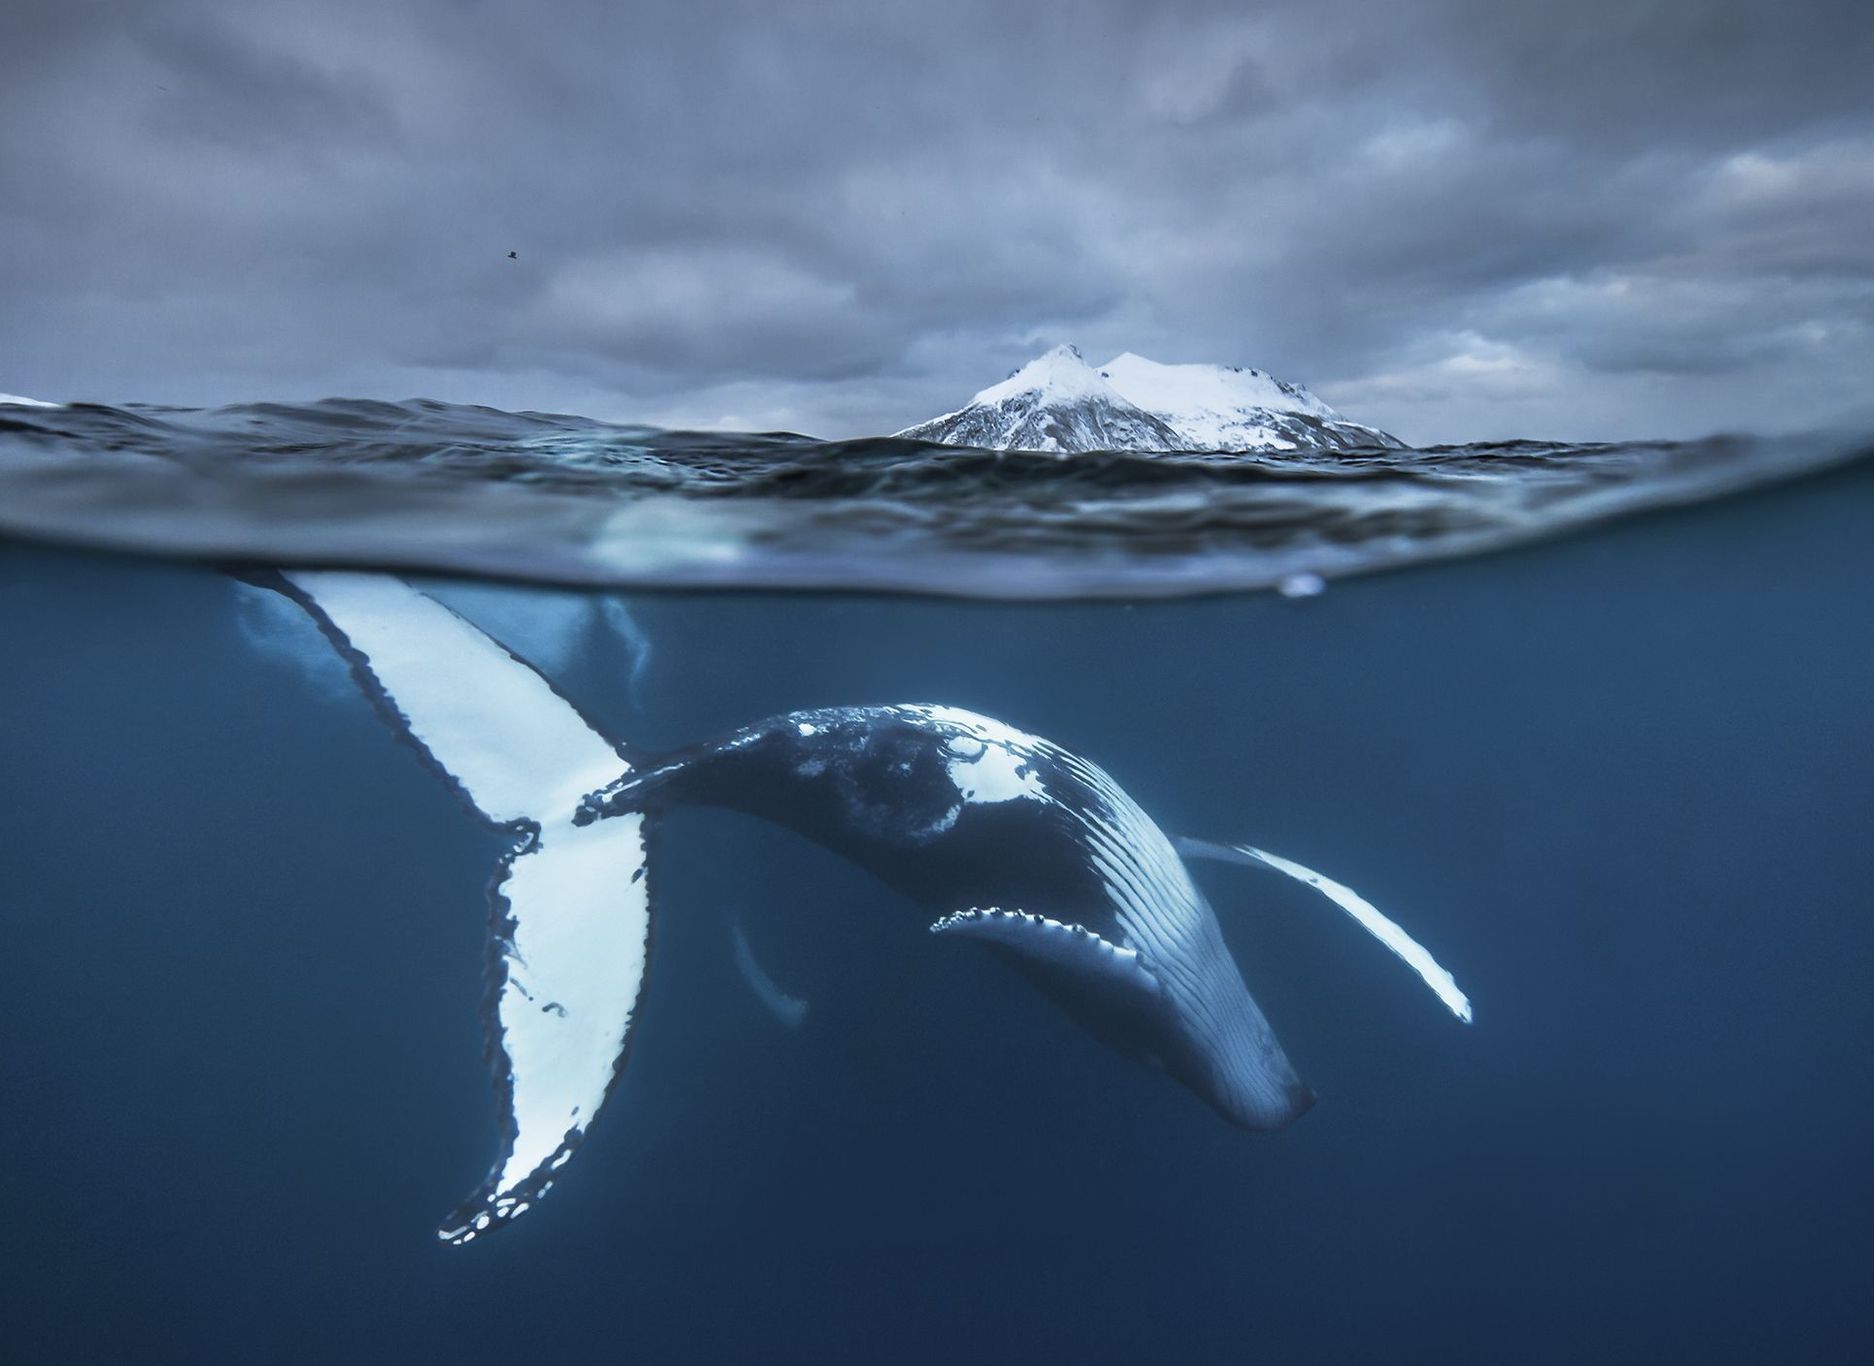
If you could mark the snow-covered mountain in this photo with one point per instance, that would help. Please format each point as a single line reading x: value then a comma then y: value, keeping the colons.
x: 1228, y: 408
x: 1057, y: 402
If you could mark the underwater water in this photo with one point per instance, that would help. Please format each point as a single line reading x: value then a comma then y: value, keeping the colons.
x: 1618, y: 782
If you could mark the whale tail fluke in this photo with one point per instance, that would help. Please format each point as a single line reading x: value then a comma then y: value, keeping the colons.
x: 570, y: 904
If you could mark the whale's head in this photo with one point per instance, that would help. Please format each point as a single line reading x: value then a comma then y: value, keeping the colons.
x: 1102, y: 915
x: 1135, y: 955
x: 1215, y: 1037
x: 1171, y: 998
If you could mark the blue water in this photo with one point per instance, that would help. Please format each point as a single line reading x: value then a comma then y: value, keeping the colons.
x: 1619, y: 783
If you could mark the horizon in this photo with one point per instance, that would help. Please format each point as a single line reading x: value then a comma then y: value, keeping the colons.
x: 1448, y: 221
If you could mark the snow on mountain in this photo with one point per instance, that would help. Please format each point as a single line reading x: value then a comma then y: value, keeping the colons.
x: 1228, y: 408
x: 1060, y: 376
x: 1058, y: 402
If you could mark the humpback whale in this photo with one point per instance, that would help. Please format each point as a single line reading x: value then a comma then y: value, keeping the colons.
x: 997, y: 835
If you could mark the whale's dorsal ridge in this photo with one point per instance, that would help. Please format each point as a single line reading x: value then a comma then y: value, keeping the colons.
x: 1055, y: 943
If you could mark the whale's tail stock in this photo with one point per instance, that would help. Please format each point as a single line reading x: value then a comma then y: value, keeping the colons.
x: 570, y: 930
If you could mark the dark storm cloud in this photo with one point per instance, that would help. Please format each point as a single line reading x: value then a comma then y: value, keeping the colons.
x: 228, y: 88
x: 1455, y: 218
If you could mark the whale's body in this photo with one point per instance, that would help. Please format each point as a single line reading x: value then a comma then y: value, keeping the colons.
x: 992, y: 833
x: 962, y: 814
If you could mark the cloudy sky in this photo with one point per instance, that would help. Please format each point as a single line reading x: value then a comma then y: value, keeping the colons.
x: 1456, y: 219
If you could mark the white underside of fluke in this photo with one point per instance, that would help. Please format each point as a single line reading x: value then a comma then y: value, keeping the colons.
x: 518, y: 749
x: 571, y: 915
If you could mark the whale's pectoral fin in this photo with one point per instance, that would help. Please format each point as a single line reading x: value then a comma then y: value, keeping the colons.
x: 1071, y: 949
x: 787, y: 1010
x: 571, y: 911
x: 1363, y: 911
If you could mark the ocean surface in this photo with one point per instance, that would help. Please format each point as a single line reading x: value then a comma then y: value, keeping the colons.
x: 1600, y: 739
x: 556, y: 499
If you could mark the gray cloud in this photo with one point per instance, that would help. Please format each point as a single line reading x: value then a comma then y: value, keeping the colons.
x: 1454, y: 218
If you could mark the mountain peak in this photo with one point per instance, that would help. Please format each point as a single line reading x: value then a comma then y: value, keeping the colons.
x: 1057, y: 402
x: 1061, y: 373
x: 1132, y: 360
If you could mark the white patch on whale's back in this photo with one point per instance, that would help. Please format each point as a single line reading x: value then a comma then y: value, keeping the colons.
x: 984, y: 728
x: 987, y: 760
x: 991, y: 772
